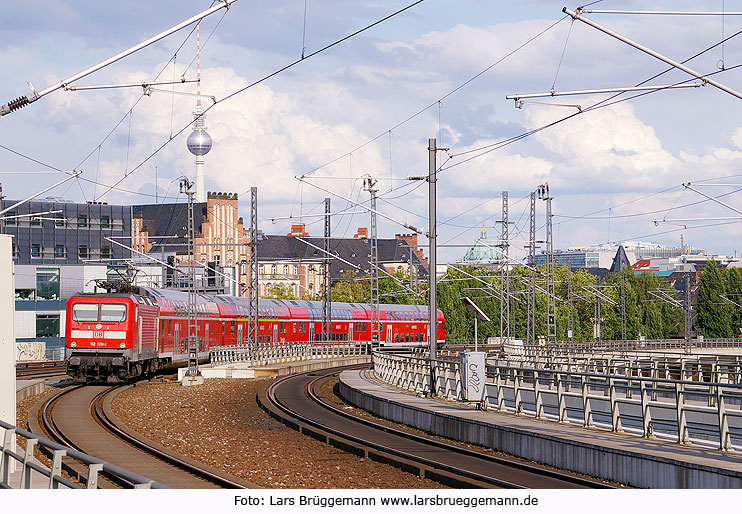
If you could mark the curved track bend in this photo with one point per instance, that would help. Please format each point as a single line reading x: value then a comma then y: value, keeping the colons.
x: 295, y: 401
x: 80, y: 417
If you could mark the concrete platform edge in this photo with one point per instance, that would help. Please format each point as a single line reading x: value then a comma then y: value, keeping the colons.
x: 38, y: 386
x: 632, y: 468
x: 240, y: 370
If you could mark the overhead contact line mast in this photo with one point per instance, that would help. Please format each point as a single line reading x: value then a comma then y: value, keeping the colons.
x: 34, y: 95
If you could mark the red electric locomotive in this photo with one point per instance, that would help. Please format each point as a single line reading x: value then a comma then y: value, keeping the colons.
x: 120, y: 336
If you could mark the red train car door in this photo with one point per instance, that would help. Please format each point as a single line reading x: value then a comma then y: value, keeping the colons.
x: 388, y: 333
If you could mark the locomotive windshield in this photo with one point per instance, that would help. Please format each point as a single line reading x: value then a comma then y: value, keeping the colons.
x: 91, y: 312
x: 85, y: 312
x: 112, y: 313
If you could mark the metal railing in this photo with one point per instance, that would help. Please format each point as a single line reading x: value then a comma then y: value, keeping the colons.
x: 414, y: 373
x: 278, y: 353
x: 657, y: 345
x: 30, y: 468
x: 698, y: 368
x: 703, y: 412
x: 677, y: 345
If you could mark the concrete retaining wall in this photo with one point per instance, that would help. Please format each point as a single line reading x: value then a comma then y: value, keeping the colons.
x: 34, y: 387
x: 631, y: 468
x: 241, y: 370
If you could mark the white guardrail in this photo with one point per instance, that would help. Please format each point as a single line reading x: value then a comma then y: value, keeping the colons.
x: 669, y: 345
x: 30, y: 468
x: 277, y: 353
x: 689, y: 401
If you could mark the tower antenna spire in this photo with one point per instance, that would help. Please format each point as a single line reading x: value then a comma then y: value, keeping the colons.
x: 199, y: 142
x: 198, y: 67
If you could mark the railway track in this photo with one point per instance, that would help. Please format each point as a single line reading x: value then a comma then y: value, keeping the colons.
x: 295, y: 401
x: 80, y: 417
x: 42, y: 369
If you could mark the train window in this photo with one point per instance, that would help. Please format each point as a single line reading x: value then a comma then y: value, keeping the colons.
x: 112, y: 313
x: 85, y: 312
x: 280, y: 326
x: 231, y: 327
x: 224, y: 327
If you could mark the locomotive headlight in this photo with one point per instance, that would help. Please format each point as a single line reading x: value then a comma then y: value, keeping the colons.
x: 73, y: 344
x: 122, y: 345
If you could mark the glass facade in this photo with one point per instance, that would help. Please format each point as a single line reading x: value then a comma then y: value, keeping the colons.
x: 47, y: 325
x: 47, y: 284
x: 25, y: 295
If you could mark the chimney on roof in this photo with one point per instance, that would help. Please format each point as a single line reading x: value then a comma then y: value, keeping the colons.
x: 298, y: 231
x: 362, y: 233
x: 411, y: 241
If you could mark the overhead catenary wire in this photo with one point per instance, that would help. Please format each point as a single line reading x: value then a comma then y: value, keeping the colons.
x: 263, y: 79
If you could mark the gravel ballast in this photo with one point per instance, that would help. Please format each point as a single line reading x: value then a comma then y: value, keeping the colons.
x: 220, y: 424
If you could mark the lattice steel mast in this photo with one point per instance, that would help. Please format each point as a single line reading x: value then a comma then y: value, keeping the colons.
x: 688, y: 308
x: 252, y: 288
x: 186, y: 186
x: 543, y: 192
x: 571, y: 319
x: 504, y: 272
x: 623, y: 305
x: 531, y: 329
x: 368, y: 185
x: 326, y: 284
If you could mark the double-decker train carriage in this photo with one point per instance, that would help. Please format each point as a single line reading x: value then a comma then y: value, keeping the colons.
x: 119, y: 336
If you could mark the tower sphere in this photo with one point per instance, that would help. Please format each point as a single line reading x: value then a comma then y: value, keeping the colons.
x: 199, y: 142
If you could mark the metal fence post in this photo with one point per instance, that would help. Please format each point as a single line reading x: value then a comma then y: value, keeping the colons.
x: 561, y: 402
x: 5, y: 460
x: 724, y: 436
x: 680, y: 413
x: 27, y: 459
x: 499, y: 389
x: 537, y: 393
x: 56, y: 471
x: 516, y: 392
x: 587, y: 412
x: 93, y: 471
x: 646, y: 413
x: 615, y: 411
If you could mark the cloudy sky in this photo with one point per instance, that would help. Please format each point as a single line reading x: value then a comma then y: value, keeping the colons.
x: 367, y: 106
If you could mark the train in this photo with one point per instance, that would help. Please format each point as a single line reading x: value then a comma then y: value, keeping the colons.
x: 121, y: 336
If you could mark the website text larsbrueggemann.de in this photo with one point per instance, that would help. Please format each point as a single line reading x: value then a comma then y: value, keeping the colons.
x: 414, y: 500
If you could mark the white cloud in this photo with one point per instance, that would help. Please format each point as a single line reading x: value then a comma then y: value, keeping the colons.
x: 603, y: 149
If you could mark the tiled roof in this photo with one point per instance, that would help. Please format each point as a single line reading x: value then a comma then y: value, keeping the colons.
x: 169, y: 219
x: 355, y: 251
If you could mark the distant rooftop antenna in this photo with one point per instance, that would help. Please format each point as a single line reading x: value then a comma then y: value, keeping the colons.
x: 199, y: 141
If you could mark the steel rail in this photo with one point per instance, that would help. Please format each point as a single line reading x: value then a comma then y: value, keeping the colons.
x: 55, y: 434
x: 102, y: 418
x: 354, y: 444
x: 538, y: 470
x: 40, y: 369
x: 435, y: 470
x: 97, y: 412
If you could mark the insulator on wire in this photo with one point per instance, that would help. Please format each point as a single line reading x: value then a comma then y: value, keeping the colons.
x: 14, y: 105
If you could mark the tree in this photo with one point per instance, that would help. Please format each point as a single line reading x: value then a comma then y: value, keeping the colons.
x: 733, y: 288
x: 352, y: 289
x: 714, y: 315
x: 280, y: 292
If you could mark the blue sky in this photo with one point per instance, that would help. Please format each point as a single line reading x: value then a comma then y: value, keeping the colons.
x: 625, y: 161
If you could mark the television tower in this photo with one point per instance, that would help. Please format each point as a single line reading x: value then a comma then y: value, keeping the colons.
x: 199, y: 141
